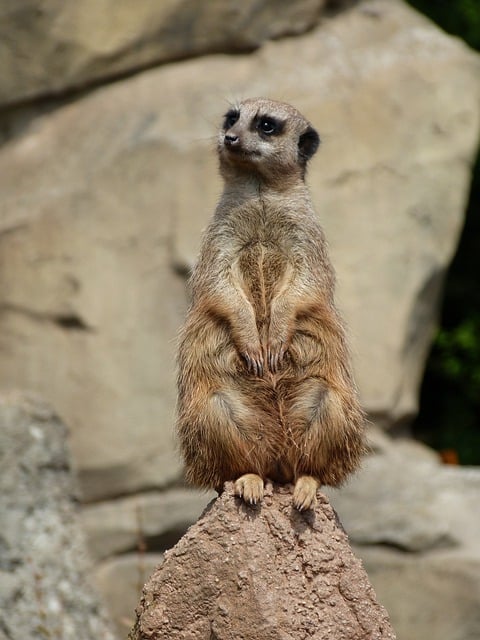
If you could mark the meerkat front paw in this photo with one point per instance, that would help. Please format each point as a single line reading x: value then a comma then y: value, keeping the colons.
x: 305, y: 493
x: 276, y: 350
x: 253, y: 356
x: 250, y: 488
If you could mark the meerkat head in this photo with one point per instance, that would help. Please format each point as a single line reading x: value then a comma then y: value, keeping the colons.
x: 267, y: 138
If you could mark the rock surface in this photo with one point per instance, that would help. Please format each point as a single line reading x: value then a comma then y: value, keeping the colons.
x: 44, y: 592
x: 415, y: 503
x: 403, y: 496
x: 154, y: 520
x: 121, y: 579
x: 104, y: 200
x: 415, y: 524
x: 427, y: 596
x: 261, y: 573
x: 49, y: 47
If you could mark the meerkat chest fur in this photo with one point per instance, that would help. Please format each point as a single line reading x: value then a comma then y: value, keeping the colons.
x: 263, y: 241
x: 264, y: 229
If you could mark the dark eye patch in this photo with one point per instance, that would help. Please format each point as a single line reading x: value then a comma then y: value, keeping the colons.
x: 231, y: 118
x: 269, y: 126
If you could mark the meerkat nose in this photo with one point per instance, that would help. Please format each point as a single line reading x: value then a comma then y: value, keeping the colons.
x: 231, y: 140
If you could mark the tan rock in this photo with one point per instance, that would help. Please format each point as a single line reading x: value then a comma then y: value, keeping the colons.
x: 104, y: 199
x: 121, y: 581
x: 414, y: 503
x: 49, y: 47
x: 405, y: 500
x: 403, y: 508
x: 93, y: 311
x: 265, y: 572
x: 427, y: 597
x: 153, y: 520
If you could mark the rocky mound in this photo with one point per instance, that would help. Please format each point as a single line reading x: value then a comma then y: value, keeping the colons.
x: 261, y: 573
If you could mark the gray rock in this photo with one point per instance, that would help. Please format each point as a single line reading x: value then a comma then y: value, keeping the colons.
x: 44, y: 592
x: 457, y: 494
x: 104, y: 199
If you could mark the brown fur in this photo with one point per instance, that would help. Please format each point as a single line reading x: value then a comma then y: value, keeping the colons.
x: 265, y: 387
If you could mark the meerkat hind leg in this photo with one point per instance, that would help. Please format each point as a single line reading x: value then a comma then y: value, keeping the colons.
x: 250, y: 488
x: 305, y: 493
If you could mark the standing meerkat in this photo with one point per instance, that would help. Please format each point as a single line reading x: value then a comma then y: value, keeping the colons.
x: 265, y: 388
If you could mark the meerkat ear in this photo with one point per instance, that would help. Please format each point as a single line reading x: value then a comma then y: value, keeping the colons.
x: 308, y: 144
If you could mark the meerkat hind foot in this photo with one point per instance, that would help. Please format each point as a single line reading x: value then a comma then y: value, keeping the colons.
x: 305, y: 493
x: 250, y: 488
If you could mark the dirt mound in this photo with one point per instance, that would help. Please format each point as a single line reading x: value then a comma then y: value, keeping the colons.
x: 261, y: 573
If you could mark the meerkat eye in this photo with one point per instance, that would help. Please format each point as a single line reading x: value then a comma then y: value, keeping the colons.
x: 230, y: 119
x: 267, y: 126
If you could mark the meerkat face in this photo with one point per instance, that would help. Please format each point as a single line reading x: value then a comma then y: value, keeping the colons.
x: 267, y: 137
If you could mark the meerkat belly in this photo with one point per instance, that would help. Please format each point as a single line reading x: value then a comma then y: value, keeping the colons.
x: 262, y: 268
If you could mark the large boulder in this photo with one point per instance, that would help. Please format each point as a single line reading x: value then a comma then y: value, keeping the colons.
x: 104, y: 200
x: 49, y: 47
x: 265, y: 572
x: 44, y: 590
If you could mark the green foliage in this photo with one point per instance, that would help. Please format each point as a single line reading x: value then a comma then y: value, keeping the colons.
x: 459, y: 17
x: 449, y: 415
x: 457, y: 355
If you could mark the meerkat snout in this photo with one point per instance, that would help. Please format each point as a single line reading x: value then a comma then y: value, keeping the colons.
x: 231, y: 140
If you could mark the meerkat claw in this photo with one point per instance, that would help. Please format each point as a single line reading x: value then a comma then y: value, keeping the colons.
x: 250, y: 363
x: 275, y: 358
x: 271, y: 362
x: 254, y: 365
x: 258, y: 369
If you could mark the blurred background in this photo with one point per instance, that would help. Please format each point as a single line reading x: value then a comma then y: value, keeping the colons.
x: 108, y: 119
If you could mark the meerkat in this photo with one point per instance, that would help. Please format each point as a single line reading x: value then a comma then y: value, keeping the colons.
x: 265, y: 388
